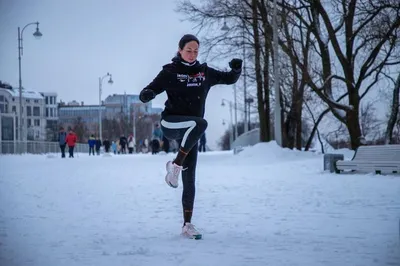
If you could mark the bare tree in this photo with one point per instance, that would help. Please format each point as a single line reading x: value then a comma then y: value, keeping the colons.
x: 361, y: 50
x: 249, y: 32
x: 316, y: 122
x: 298, y: 41
x: 335, y: 137
x: 368, y: 119
x: 263, y: 106
x: 396, y: 132
x: 80, y: 129
x: 394, y: 112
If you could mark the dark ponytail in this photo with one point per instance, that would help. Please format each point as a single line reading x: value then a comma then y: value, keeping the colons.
x: 178, y: 54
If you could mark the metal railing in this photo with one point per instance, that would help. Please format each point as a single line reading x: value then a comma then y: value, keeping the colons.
x: 36, y: 147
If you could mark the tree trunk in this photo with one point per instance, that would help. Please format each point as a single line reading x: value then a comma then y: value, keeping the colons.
x: 289, y: 126
x: 353, y: 126
x: 267, y: 104
x: 394, y: 112
x: 260, y: 95
x: 299, y: 113
x: 262, y: 7
x: 284, y: 135
x: 292, y: 116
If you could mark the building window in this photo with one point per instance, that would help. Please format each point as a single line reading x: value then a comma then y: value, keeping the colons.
x: 37, y: 122
x: 47, y: 100
x: 29, y: 122
x: 7, y: 128
x: 28, y: 111
x: 36, y: 101
x: 28, y: 101
x: 51, y: 112
x: 51, y: 100
x: 47, y: 112
x: 36, y: 111
x: 14, y: 109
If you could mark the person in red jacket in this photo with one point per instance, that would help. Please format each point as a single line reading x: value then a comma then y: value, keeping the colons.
x: 71, y: 141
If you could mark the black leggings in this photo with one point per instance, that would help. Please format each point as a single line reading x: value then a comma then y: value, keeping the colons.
x: 187, y: 130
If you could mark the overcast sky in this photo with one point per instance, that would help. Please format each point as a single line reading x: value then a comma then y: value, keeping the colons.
x: 85, y: 39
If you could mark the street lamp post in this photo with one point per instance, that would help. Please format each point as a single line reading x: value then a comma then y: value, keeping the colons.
x: 37, y: 34
x: 110, y: 81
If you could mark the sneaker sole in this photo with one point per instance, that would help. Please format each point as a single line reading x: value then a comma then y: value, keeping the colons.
x: 195, y: 237
x: 169, y: 183
x: 166, y: 180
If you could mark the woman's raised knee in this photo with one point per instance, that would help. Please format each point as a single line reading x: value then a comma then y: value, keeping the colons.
x: 202, y: 124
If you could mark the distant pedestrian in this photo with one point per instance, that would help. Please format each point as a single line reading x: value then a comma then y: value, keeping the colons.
x: 62, y: 136
x: 114, y: 147
x: 106, y: 144
x: 71, y: 140
x: 202, y: 146
x: 131, y: 144
x: 91, y: 143
x: 98, y: 146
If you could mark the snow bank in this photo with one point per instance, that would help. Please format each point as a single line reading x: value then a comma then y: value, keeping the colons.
x: 271, y: 152
x: 96, y: 210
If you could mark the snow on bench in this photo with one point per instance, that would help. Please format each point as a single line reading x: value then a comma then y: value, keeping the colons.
x: 376, y: 158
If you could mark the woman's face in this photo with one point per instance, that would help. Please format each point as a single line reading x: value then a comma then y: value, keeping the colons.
x: 190, y: 51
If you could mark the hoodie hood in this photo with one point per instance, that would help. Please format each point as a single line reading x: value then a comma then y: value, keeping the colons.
x: 178, y: 59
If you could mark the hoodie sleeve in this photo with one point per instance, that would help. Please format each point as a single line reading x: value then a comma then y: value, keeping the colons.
x: 159, y: 83
x: 216, y: 77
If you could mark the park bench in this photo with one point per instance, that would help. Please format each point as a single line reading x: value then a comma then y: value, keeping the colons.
x: 376, y: 158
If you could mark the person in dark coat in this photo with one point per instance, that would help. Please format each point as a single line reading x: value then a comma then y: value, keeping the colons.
x: 202, y: 146
x: 187, y: 84
x: 106, y: 144
x: 91, y: 143
x: 123, y: 141
x: 62, y: 136
x: 165, y: 144
x: 98, y: 145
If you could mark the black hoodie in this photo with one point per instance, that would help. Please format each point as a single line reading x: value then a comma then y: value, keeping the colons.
x: 187, y: 86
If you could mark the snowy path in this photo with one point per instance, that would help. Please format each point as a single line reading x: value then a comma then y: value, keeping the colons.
x: 266, y: 209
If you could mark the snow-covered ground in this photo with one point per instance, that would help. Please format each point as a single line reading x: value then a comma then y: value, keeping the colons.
x: 264, y: 206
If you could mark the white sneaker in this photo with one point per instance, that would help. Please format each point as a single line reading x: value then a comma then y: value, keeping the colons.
x: 188, y: 230
x: 172, y: 177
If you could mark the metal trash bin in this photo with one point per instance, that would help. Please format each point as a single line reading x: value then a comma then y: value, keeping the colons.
x: 330, y: 160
